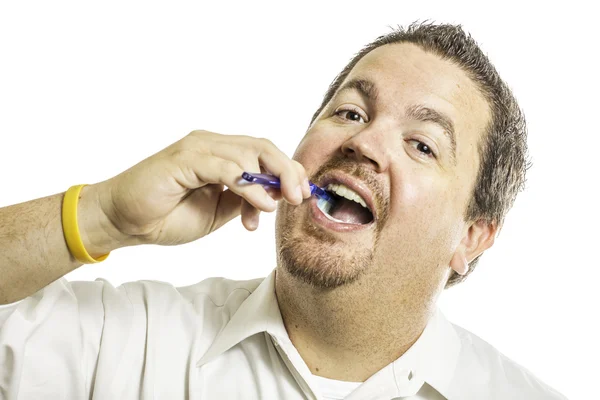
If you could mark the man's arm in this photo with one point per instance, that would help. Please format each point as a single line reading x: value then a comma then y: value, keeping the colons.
x: 173, y: 197
x: 33, y: 250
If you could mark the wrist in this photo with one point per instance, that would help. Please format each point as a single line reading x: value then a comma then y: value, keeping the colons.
x: 98, y: 234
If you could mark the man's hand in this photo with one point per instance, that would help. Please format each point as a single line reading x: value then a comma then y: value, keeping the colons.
x: 173, y: 197
x: 177, y: 195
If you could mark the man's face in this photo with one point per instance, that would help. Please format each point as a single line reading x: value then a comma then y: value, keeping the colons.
x: 386, y: 135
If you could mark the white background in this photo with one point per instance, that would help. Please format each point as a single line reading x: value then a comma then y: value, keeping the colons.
x: 86, y: 91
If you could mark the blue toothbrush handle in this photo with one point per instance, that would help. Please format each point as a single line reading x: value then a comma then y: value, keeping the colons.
x: 320, y: 193
x: 273, y: 181
x: 262, y: 179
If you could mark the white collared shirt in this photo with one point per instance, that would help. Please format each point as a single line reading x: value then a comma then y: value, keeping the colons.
x: 218, y: 339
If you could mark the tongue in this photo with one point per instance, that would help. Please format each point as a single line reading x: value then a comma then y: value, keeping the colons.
x: 350, y: 212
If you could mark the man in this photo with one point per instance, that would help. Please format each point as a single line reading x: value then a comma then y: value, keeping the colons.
x: 424, y: 148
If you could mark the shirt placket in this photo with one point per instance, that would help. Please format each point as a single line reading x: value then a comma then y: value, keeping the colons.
x: 300, y: 380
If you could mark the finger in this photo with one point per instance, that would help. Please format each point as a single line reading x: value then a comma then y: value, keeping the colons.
x: 252, y: 165
x: 210, y: 169
x: 282, y: 166
x: 303, y: 178
x: 250, y: 216
x: 274, y: 193
x: 243, y: 148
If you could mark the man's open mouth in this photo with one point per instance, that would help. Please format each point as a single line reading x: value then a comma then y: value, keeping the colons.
x: 348, y: 206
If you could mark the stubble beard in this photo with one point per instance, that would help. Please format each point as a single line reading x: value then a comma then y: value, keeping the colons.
x: 315, y: 256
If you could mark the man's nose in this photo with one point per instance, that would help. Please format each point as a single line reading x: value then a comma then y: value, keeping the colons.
x: 369, y: 146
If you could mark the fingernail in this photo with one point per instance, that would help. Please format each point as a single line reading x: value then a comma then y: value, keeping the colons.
x: 299, y: 195
x: 254, y: 222
x: 306, y: 187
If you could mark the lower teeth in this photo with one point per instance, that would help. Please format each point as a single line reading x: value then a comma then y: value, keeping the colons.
x: 333, y: 219
x: 325, y: 207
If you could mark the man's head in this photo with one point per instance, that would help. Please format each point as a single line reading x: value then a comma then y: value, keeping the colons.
x: 421, y: 125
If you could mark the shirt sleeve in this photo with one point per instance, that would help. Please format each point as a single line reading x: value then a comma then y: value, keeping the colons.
x: 90, y: 340
x: 50, y: 341
x: 5, y: 306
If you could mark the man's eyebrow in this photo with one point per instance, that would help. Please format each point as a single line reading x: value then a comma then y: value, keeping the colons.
x: 364, y: 86
x: 421, y: 113
x: 426, y: 114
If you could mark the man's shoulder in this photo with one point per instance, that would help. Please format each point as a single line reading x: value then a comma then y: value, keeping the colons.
x: 490, y: 372
x: 219, y: 294
x: 220, y: 290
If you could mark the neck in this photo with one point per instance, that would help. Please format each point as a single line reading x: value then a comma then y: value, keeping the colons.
x: 347, y: 333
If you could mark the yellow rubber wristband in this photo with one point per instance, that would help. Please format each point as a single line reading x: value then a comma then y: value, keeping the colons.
x: 71, y: 228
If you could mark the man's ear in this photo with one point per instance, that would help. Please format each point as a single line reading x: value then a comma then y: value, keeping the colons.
x: 479, y: 237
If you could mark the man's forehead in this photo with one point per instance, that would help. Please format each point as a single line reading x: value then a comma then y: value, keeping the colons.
x: 405, y: 66
x: 405, y: 73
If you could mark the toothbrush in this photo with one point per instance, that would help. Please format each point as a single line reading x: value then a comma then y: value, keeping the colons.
x: 326, y: 201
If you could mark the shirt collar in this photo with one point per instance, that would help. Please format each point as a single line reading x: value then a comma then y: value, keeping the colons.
x: 436, y: 353
x: 258, y: 313
x: 432, y: 358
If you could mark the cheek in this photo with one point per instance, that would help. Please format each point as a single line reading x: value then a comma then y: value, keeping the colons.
x: 422, y: 203
x: 414, y: 189
x: 314, y: 149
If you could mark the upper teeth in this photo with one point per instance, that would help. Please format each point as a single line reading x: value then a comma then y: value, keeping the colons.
x: 347, y: 193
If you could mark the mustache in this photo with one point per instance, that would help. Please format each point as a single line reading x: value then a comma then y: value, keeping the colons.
x: 363, y: 173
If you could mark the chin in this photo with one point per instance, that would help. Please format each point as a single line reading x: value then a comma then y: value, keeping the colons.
x: 314, y: 256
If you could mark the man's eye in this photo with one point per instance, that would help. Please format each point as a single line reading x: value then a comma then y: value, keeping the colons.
x: 350, y: 115
x: 423, y: 148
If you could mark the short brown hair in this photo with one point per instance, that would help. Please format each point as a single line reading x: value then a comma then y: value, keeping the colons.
x: 503, y: 150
